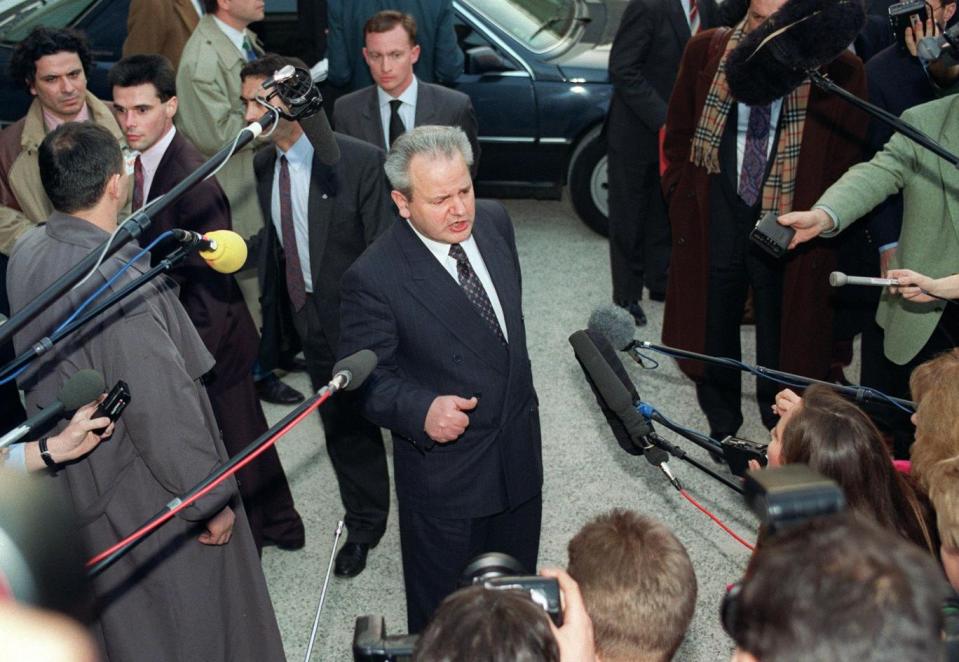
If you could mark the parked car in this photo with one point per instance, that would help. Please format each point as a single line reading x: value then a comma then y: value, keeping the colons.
x: 536, y: 71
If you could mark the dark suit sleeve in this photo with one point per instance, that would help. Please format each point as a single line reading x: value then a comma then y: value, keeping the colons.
x: 375, y: 204
x: 389, y: 399
x: 447, y: 55
x: 631, y: 49
x: 885, y: 221
x: 340, y: 62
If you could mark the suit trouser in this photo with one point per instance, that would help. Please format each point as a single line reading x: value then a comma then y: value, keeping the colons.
x: 263, y: 486
x: 735, y: 266
x: 437, y: 549
x: 354, y: 444
x: 639, y: 232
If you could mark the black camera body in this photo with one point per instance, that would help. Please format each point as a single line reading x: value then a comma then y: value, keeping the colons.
x: 791, y: 494
x: 902, y: 15
x: 502, y: 572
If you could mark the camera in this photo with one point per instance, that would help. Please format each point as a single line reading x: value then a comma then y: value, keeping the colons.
x: 902, y: 15
x: 494, y: 571
x: 791, y: 494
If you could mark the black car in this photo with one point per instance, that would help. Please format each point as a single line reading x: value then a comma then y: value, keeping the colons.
x: 536, y: 71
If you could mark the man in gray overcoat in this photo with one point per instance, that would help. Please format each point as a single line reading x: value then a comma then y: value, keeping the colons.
x: 193, y: 589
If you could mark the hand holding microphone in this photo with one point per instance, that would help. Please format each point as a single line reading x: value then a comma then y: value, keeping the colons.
x: 916, y: 287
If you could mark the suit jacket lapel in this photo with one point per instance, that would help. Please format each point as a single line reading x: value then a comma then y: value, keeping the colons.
x: 159, y: 184
x: 677, y: 18
x: 433, y: 287
x: 372, y: 120
x: 320, y: 214
x: 264, y: 186
x: 948, y: 172
x: 499, y: 263
x: 425, y: 105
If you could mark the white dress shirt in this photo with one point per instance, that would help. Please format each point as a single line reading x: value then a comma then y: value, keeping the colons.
x: 300, y: 164
x: 407, y: 110
x: 150, y: 160
x: 441, y: 251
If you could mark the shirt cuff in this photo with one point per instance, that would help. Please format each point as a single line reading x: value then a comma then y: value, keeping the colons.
x: 834, y: 230
x: 16, y: 458
x: 886, y: 247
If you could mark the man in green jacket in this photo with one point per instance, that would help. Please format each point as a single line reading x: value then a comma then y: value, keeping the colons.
x: 929, y: 240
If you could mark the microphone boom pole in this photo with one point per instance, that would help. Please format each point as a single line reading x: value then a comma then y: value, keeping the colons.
x: 129, y: 229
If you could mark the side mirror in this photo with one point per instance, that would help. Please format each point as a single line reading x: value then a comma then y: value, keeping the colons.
x: 484, y: 60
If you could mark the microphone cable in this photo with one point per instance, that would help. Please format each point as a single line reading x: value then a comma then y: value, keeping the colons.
x: 715, y: 519
x: 90, y: 299
x: 104, y: 559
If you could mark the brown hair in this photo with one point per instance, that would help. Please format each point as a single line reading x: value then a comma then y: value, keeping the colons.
x: 388, y: 19
x: 837, y: 439
x: 935, y: 453
x: 478, y: 623
x: 638, y: 585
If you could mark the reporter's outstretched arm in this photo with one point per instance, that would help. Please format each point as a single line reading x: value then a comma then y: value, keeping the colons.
x: 923, y: 289
x: 807, y: 224
x: 75, y: 441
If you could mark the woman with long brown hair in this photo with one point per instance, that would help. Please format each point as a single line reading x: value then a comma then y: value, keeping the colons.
x: 935, y: 453
x: 836, y: 438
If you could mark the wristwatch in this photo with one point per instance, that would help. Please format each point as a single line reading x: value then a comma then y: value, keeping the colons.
x: 45, y: 454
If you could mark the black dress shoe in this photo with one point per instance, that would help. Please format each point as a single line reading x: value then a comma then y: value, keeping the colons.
x: 351, y: 559
x: 287, y: 545
x: 634, y: 309
x: 276, y: 392
x: 295, y: 364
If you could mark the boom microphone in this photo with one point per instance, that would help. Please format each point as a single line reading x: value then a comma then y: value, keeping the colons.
x: 82, y: 387
x: 772, y: 60
x: 223, y: 250
x: 350, y: 372
x: 615, y: 324
x: 304, y: 103
x: 839, y: 279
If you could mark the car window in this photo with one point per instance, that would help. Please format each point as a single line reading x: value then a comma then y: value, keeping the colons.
x: 17, y: 19
x: 538, y: 24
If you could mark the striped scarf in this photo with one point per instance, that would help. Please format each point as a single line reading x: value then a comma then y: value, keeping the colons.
x: 780, y: 185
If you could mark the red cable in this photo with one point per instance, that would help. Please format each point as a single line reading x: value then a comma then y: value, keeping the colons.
x: 716, y: 519
x: 142, y: 531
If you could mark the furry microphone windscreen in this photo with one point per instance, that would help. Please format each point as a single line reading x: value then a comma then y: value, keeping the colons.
x: 772, y: 60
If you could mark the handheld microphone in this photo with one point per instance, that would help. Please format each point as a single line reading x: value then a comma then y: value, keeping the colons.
x: 839, y: 279
x: 82, y: 387
x: 350, y: 372
x: 223, y: 250
x: 304, y: 104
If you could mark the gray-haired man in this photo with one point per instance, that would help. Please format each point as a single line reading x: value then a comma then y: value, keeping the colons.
x: 438, y: 298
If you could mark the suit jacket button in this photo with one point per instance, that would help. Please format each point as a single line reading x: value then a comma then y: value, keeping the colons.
x: 457, y: 358
x: 681, y: 241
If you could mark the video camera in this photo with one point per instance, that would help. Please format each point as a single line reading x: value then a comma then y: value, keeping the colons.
x: 494, y: 571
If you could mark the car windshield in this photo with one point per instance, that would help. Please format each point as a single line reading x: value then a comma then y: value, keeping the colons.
x: 19, y: 17
x: 539, y: 24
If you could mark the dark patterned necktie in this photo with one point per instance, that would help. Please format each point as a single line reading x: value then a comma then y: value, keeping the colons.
x: 397, y: 128
x: 137, y: 183
x: 294, y: 271
x: 754, y: 157
x: 694, y: 22
x: 473, y: 288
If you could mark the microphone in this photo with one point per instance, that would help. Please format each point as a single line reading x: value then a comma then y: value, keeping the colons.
x: 350, y: 372
x: 930, y: 48
x: 304, y: 104
x: 839, y: 279
x: 82, y: 387
x: 803, y: 35
x: 615, y: 324
x: 223, y: 250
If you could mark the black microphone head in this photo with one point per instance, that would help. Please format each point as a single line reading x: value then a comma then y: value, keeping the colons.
x: 83, y: 386
x: 615, y: 324
x: 772, y: 60
x: 320, y: 134
x: 359, y: 365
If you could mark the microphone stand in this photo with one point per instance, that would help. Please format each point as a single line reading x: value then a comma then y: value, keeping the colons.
x: 326, y: 584
x: 105, y: 559
x: 130, y: 229
x: 859, y: 393
x: 680, y: 454
x: 823, y: 82
x: 45, y: 344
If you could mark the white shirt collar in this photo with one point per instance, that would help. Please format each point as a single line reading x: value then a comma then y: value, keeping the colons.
x: 440, y: 249
x: 408, y: 96
x: 300, y: 154
x: 235, y: 36
x: 150, y: 159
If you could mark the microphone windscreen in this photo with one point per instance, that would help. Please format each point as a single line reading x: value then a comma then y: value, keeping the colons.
x: 837, y: 279
x: 613, y: 323
x: 82, y: 387
x: 229, y: 256
x: 320, y: 134
x: 359, y: 365
x: 772, y: 60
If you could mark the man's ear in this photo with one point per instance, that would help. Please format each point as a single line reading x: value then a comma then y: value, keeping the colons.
x: 116, y: 188
x: 171, y: 106
x: 401, y: 202
x: 366, y: 56
x: 415, y: 54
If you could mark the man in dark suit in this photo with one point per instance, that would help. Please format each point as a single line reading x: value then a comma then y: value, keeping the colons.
x: 399, y: 101
x: 438, y: 298
x: 643, y: 64
x: 145, y: 102
x: 441, y: 59
x: 320, y: 219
